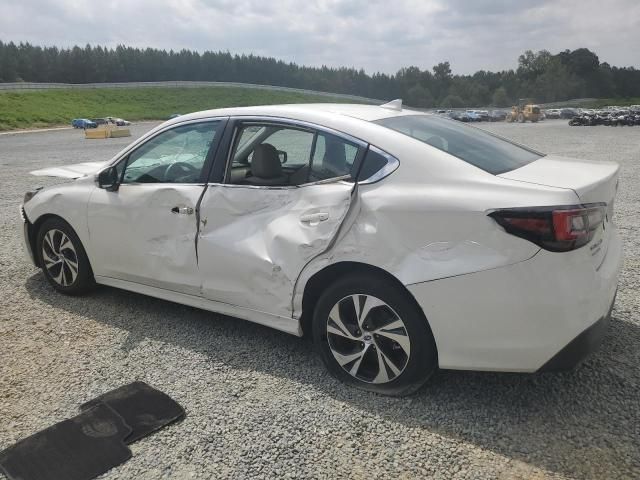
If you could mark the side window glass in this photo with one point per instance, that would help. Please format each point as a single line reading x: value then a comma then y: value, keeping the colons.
x: 275, y: 155
x: 175, y: 156
x: 295, y: 143
x: 248, y: 134
x: 271, y: 155
x: 376, y: 165
x: 333, y: 157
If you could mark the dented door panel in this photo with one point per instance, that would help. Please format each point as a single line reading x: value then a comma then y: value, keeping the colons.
x: 255, y: 241
x: 146, y: 233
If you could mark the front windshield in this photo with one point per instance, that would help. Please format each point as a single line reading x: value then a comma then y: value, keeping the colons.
x: 477, y: 147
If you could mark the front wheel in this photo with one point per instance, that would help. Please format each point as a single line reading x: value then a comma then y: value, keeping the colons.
x: 63, y: 258
x: 371, y: 334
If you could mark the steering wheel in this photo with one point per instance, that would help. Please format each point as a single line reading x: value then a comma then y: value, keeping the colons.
x: 179, y: 169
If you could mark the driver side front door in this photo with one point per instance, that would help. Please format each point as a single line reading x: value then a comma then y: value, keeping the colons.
x: 145, y: 232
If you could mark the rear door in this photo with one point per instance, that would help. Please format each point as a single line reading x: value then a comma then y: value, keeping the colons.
x: 260, y: 227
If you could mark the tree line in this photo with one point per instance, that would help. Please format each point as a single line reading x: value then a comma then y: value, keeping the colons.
x: 543, y: 76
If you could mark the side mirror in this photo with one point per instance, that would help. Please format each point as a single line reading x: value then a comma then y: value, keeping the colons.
x: 282, y: 156
x: 108, y: 179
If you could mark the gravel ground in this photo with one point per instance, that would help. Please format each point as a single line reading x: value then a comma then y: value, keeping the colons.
x: 259, y: 403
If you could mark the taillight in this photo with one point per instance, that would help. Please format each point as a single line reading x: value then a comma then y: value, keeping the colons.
x: 558, y: 229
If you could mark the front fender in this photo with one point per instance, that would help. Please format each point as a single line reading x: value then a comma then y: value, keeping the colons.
x: 67, y: 201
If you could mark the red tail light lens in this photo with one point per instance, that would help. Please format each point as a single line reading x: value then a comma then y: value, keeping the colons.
x: 558, y: 229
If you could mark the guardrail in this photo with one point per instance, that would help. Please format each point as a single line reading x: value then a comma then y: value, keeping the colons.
x: 175, y: 84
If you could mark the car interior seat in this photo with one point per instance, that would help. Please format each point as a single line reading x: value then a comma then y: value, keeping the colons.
x: 266, y: 168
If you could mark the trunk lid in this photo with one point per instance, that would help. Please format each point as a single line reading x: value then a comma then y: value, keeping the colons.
x: 593, y: 182
x: 75, y: 170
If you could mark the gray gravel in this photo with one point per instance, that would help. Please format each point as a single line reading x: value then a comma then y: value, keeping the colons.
x: 259, y: 403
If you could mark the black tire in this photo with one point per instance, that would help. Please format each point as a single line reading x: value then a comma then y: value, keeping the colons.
x: 417, y: 367
x: 52, y: 232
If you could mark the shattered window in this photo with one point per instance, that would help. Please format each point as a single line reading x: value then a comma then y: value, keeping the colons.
x: 175, y: 156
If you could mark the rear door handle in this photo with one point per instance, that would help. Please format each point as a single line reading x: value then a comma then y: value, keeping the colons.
x: 182, y: 210
x: 313, y: 219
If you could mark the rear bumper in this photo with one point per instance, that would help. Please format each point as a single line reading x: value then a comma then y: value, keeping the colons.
x: 580, y: 347
x: 521, y: 317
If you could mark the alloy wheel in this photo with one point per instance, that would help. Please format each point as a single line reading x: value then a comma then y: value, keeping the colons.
x: 60, y: 257
x: 368, y: 339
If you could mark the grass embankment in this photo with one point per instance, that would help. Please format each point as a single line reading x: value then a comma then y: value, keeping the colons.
x: 44, y: 108
x: 620, y: 102
x: 594, y: 102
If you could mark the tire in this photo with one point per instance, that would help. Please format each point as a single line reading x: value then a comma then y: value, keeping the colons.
x: 63, y: 259
x: 387, y: 366
x: 521, y: 118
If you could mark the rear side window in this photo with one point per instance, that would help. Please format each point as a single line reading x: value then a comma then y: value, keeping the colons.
x: 373, y: 163
x: 477, y: 147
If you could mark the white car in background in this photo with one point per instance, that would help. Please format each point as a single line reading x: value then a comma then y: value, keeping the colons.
x: 402, y: 242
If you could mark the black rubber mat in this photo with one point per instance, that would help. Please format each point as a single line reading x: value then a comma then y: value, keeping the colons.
x: 80, y: 448
x: 142, y: 407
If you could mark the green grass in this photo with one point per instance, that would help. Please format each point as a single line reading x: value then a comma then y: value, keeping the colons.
x: 620, y: 102
x: 34, y: 109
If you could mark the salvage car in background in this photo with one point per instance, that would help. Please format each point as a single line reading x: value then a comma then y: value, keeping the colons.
x: 401, y: 241
x: 552, y: 113
x: 497, y: 115
x: 120, y: 122
x: 83, y: 123
x: 473, y: 116
x: 568, y: 113
x: 460, y: 116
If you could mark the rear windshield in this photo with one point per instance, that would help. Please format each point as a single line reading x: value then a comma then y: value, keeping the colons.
x: 477, y: 147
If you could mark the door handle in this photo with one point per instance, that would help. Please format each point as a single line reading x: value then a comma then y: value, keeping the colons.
x: 313, y: 219
x: 182, y: 210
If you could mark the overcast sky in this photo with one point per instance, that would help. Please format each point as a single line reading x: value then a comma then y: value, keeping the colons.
x: 377, y: 35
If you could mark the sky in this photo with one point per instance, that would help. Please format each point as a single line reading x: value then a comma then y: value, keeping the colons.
x: 377, y: 35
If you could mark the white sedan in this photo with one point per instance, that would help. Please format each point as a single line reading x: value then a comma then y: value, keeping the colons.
x: 401, y: 241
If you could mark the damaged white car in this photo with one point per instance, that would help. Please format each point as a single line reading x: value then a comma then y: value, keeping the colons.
x: 401, y: 241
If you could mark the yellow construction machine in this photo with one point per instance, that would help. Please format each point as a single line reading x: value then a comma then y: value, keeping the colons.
x: 525, y: 110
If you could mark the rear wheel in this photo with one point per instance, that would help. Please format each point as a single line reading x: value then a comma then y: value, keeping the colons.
x: 63, y: 258
x: 521, y: 118
x: 371, y: 334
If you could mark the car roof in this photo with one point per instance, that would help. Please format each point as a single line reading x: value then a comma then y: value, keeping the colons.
x: 355, y: 120
x: 301, y: 111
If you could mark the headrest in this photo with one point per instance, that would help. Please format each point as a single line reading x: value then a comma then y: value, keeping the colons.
x: 265, y: 162
x: 335, y: 158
